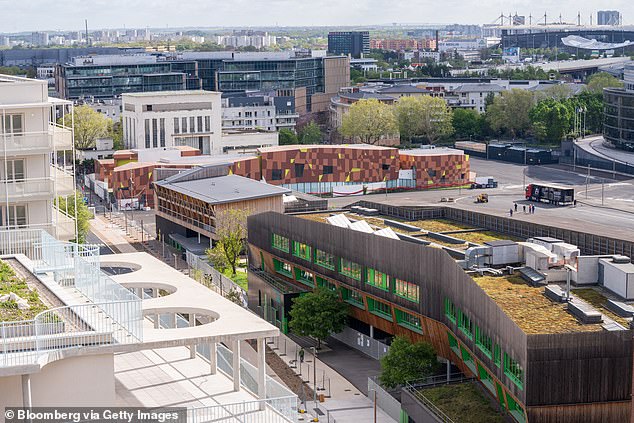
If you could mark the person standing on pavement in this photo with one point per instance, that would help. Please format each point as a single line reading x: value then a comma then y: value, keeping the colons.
x: 511, y: 212
x: 515, y: 206
x: 524, y: 208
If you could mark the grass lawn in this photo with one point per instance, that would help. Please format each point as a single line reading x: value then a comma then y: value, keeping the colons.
x: 463, y: 403
x: 240, y: 277
x: 9, y: 310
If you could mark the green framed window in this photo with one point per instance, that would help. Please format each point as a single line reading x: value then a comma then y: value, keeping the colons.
x: 408, y: 320
x: 453, y: 343
x: 375, y: 278
x: 283, y: 268
x: 496, y: 355
x: 305, y: 277
x: 353, y: 297
x: 486, y: 378
x: 483, y: 342
x: 514, y: 371
x: 350, y: 269
x: 325, y: 283
x: 380, y: 308
x: 301, y: 250
x: 281, y: 243
x: 406, y: 290
x: 516, y: 409
x: 324, y: 259
x: 468, y: 359
x: 450, y: 310
x: 465, y: 324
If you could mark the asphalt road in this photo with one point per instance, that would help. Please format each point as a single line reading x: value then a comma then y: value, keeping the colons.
x: 607, y: 208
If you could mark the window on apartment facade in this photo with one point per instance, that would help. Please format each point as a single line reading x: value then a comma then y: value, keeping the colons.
x: 305, y: 277
x: 514, y: 371
x: 465, y: 324
x: 350, y: 269
x: 184, y: 125
x: 380, y: 308
x: 15, y: 170
x: 162, y: 139
x: 192, y: 124
x: 281, y: 243
x: 483, y: 342
x: 299, y: 170
x: 200, y: 123
x: 408, y: 320
x: 375, y: 278
x: 406, y: 290
x: 13, y: 124
x: 328, y: 170
x: 154, y: 133
x: 301, y: 250
x: 16, y: 217
x: 450, y: 310
x: 385, y: 166
x: 283, y: 268
x: 207, y: 123
x: 325, y: 283
x: 147, y: 133
x: 176, y: 126
x: 276, y: 174
x: 324, y: 259
x: 352, y: 297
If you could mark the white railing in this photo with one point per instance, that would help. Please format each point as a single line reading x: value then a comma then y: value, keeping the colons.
x: 19, y: 189
x: 273, y: 410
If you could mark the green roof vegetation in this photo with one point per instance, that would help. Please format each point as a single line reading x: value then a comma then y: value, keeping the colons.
x: 599, y: 301
x: 463, y: 403
x: 11, y: 283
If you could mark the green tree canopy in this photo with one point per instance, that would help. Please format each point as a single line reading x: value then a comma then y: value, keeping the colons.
x: 287, y: 137
x: 369, y: 120
x: 231, y: 229
x: 83, y: 216
x: 318, y: 314
x: 466, y: 123
x: 407, y: 361
x: 310, y: 134
x: 423, y: 116
x: 550, y: 120
x: 509, y: 112
x: 597, y: 82
x: 89, y: 125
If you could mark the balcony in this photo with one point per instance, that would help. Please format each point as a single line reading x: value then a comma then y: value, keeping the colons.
x: 63, y: 226
x: 26, y: 190
x: 64, y: 181
x: 56, y: 137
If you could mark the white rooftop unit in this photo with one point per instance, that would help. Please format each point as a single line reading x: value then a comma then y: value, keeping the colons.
x: 361, y: 226
x: 340, y: 220
x: 617, y: 275
x: 537, y: 256
x: 387, y: 232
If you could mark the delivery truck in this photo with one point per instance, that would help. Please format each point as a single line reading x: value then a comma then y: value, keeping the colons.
x: 553, y: 194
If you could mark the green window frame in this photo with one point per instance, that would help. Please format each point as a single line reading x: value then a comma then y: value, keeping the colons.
x: 486, y: 378
x: 516, y: 409
x: 465, y: 324
x: 305, y: 277
x: 450, y: 310
x: 497, y: 353
x: 408, y: 320
x: 324, y: 259
x: 350, y: 269
x: 467, y: 358
x: 325, y: 283
x: 301, y: 250
x: 283, y: 268
x: 380, y: 309
x: 378, y: 279
x: 353, y: 297
x: 453, y: 343
x: 407, y: 290
x: 483, y: 342
x: 281, y: 243
x: 514, y: 371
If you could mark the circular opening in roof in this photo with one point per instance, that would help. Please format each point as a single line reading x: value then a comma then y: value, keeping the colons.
x: 114, y: 269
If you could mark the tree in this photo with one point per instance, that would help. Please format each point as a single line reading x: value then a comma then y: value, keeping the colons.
x: 550, y: 120
x: 287, y: 137
x: 466, y: 123
x: 428, y: 117
x: 235, y: 296
x: 557, y: 92
x: 231, y: 230
x: 406, y: 361
x: 310, y: 134
x: 597, y: 82
x: 369, y: 120
x: 509, y: 112
x: 217, y: 258
x: 115, y: 131
x: 67, y: 205
x: 89, y: 125
x: 318, y: 314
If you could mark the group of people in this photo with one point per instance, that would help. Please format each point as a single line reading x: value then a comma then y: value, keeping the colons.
x: 531, y: 209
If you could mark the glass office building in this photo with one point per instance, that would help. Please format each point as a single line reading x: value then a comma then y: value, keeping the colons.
x: 618, y: 124
x: 353, y: 43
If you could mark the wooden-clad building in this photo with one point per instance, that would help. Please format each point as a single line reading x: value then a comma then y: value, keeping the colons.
x: 536, y: 358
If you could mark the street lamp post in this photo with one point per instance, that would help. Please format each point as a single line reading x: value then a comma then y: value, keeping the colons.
x: 314, y: 375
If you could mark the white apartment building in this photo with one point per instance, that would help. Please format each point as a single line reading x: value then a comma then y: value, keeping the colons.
x: 258, y: 113
x: 473, y: 96
x: 36, y: 163
x: 171, y: 119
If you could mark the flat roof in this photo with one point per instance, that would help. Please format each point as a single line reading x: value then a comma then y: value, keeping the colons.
x: 225, y: 189
x: 431, y: 151
x: 171, y: 93
x: 321, y: 146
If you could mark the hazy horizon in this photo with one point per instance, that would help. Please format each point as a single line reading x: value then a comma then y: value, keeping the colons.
x: 39, y: 15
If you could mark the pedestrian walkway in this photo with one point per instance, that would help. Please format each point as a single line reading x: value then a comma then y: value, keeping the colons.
x: 343, y: 401
x: 111, y: 234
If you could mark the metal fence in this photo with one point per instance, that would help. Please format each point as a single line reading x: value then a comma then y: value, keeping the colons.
x: 384, y: 400
x: 212, y: 278
x: 363, y: 343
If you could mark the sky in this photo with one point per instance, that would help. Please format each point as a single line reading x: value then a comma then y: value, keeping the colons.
x: 34, y: 15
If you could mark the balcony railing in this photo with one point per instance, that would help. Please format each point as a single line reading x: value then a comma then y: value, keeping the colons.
x: 56, y: 137
x: 26, y: 189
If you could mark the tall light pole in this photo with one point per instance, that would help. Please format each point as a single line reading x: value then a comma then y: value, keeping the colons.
x: 314, y: 375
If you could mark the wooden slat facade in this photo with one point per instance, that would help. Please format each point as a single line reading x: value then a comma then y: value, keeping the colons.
x: 562, y: 370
